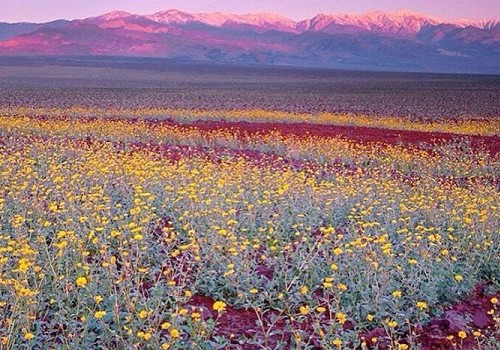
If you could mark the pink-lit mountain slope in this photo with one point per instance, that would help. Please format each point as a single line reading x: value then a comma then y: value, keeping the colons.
x: 258, y: 21
x: 401, y: 40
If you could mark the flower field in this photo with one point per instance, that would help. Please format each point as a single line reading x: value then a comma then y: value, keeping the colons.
x: 177, y: 229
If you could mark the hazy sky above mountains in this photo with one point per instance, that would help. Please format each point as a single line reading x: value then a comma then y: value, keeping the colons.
x: 45, y: 10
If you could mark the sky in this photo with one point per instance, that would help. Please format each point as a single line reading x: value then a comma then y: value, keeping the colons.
x: 46, y: 10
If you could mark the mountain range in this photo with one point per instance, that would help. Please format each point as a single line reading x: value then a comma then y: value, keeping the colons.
x: 398, y: 41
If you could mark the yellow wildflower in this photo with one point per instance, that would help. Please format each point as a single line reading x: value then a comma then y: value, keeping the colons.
x: 341, y: 317
x: 99, y: 314
x: 304, y: 310
x: 422, y: 305
x: 174, y: 333
x: 397, y: 294
x: 81, y: 281
x: 219, y: 306
x: 29, y: 336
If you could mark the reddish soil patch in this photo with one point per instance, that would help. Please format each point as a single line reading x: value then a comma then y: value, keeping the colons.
x: 355, y: 133
x: 240, y: 324
x: 469, y: 315
x: 360, y: 134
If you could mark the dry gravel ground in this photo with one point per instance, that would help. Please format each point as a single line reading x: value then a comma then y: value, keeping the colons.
x: 157, y: 83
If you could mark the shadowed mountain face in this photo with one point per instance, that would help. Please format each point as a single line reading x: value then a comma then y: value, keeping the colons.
x: 400, y: 41
x: 10, y: 30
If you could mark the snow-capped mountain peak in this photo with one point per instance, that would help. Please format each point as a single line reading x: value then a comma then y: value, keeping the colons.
x: 112, y: 15
x: 172, y: 16
x: 402, y: 21
x: 219, y: 19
